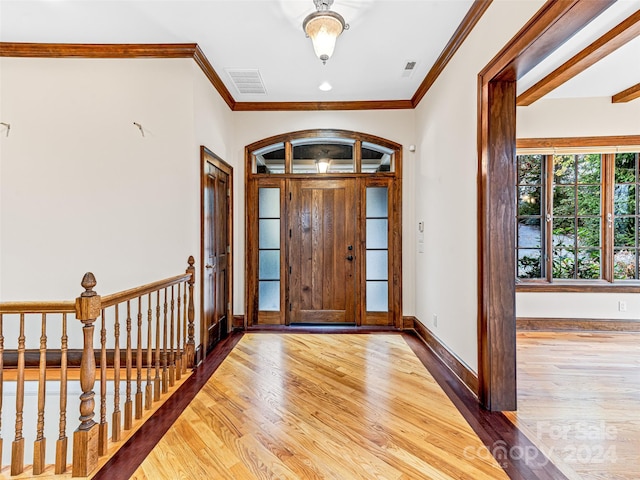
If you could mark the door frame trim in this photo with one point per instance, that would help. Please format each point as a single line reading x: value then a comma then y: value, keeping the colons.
x: 207, y: 156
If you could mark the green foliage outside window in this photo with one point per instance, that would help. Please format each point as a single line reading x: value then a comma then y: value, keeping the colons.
x: 577, y: 218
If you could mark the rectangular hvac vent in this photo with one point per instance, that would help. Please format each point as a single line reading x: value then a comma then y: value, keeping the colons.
x: 408, y: 69
x: 247, y: 81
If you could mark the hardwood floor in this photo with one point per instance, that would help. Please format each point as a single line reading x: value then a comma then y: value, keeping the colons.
x: 305, y: 406
x: 579, y: 401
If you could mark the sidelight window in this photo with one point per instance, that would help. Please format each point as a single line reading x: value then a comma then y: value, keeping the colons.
x: 377, y: 251
x: 269, y: 249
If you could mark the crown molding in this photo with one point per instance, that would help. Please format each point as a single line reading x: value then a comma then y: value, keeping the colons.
x: 203, y: 62
x: 98, y: 50
x: 455, y: 42
x: 315, y: 106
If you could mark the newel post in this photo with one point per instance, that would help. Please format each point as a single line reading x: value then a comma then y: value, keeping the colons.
x: 191, y: 344
x: 85, y: 438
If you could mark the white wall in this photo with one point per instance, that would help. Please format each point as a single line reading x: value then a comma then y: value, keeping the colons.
x: 577, y: 117
x: 394, y: 125
x: 445, y: 179
x: 82, y: 190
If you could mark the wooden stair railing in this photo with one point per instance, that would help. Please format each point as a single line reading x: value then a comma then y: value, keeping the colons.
x: 157, y: 349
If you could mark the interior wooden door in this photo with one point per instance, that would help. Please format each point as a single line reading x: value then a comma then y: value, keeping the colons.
x: 322, y: 250
x: 216, y: 247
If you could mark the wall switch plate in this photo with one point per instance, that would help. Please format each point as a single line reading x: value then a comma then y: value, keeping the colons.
x: 622, y: 306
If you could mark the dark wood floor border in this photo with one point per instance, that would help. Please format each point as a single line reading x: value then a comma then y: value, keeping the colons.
x: 125, y: 462
x: 577, y: 324
x: 453, y: 363
x: 511, y: 448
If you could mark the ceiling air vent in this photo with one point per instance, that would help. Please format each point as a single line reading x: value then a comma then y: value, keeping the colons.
x: 247, y: 81
x: 408, y: 69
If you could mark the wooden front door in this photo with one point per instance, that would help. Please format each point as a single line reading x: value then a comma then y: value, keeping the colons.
x: 321, y: 251
x: 216, y: 249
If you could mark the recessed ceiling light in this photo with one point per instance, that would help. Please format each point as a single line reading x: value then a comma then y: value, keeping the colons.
x: 325, y: 86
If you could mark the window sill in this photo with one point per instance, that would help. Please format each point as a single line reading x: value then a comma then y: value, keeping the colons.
x: 585, y: 286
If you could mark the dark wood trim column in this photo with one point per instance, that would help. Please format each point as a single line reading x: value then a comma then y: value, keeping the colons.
x: 496, y: 244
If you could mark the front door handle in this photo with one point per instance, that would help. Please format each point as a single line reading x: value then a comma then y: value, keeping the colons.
x: 208, y: 266
x: 350, y: 258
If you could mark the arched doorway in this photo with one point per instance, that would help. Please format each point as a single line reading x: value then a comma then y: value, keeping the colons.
x: 323, y: 230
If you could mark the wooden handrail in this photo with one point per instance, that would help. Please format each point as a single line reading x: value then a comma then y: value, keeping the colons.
x: 38, y: 307
x: 174, y: 347
x: 115, y: 298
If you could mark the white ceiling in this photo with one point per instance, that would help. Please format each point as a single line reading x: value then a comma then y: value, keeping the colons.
x: 267, y: 35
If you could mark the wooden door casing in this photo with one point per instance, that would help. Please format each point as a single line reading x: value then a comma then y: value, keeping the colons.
x: 322, y: 251
x: 216, y: 251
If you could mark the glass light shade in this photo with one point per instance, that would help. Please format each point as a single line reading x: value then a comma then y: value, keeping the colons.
x: 323, y: 165
x: 324, y: 28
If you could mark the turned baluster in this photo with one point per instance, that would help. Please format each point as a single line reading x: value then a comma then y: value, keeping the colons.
x: 156, y: 380
x: 172, y: 350
x: 178, y: 329
x: 128, y: 405
x: 116, y: 417
x: 85, y: 438
x: 17, y: 446
x: 191, y: 344
x: 185, y: 360
x: 149, y: 387
x: 39, y: 446
x: 139, y: 363
x: 103, y: 431
x: 61, y: 443
x: 163, y: 355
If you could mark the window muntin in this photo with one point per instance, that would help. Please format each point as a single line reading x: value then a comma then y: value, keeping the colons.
x: 589, y: 219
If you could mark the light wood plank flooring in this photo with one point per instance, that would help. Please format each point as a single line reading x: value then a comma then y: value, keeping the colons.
x: 579, y: 401
x: 304, y: 406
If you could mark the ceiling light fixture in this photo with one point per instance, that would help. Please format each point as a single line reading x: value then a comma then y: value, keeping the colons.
x: 325, y: 86
x: 323, y: 27
x: 322, y: 165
